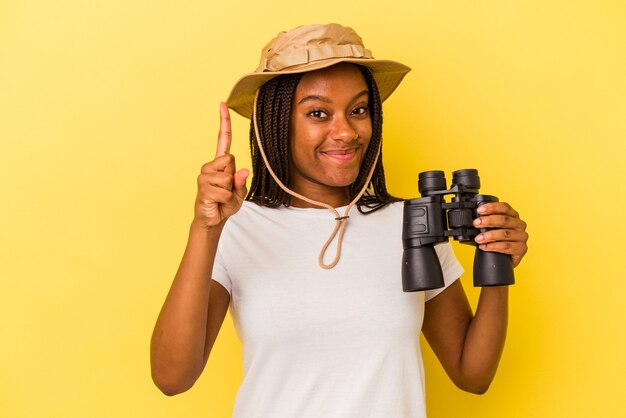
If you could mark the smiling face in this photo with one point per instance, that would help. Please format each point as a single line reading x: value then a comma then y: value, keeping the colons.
x: 330, y: 131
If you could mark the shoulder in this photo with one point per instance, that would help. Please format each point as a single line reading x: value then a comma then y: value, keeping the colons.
x: 390, y: 209
x: 258, y: 220
x: 251, y: 211
x: 391, y: 212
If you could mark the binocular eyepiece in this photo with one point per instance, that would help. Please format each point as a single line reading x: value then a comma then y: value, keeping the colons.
x: 430, y: 220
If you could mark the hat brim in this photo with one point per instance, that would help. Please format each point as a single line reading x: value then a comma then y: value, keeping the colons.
x: 388, y: 75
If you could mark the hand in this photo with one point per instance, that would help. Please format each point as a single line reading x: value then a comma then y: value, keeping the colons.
x: 510, y: 237
x: 221, y: 189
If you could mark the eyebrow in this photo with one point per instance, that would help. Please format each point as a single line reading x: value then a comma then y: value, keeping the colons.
x: 325, y: 99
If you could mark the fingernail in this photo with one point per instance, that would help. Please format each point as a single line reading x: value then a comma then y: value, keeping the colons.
x: 482, y: 247
x: 477, y: 221
x: 481, y: 209
x: 479, y: 238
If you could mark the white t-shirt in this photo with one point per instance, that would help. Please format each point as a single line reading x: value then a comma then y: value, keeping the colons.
x: 318, y: 343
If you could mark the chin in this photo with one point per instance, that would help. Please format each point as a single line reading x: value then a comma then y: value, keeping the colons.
x: 342, y: 182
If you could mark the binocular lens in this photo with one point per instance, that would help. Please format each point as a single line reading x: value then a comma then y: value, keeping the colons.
x: 431, y: 181
x: 468, y: 178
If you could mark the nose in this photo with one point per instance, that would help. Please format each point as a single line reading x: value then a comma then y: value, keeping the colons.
x: 343, y: 130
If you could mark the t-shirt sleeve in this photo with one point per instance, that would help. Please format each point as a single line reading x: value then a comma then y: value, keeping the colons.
x: 450, y: 266
x: 220, y: 274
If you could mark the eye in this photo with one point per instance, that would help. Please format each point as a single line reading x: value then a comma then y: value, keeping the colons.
x: 317, y: 114
x: 361, y: 110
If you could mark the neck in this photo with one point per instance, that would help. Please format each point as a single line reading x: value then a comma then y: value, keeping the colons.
x: 318, y: 193
x: 334, y: 201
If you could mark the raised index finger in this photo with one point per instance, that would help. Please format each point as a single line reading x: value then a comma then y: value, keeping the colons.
x: 225, y: 136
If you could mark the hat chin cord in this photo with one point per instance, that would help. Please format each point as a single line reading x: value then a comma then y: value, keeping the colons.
x: 341, y: 222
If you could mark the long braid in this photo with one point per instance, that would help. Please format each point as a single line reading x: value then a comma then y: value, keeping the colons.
x: 275, y: 104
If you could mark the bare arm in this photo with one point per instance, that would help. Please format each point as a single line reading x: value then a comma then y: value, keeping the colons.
x: 190, y: 319
x: 469, y: 346
x: 195, y: 306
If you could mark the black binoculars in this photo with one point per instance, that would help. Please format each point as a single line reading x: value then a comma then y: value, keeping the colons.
x: 430, y: 220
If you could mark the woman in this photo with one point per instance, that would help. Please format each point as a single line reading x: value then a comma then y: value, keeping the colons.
x: 336, y: 336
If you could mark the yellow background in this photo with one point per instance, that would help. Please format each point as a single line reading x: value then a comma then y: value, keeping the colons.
x: 108, y: 109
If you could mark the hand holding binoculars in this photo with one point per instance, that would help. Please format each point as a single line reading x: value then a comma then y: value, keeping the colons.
x: 430, y: 220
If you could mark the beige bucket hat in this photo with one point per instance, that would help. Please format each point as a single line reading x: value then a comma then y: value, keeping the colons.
x: 308, y: 48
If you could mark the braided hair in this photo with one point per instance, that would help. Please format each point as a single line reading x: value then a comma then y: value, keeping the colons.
x: 274, y: 106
